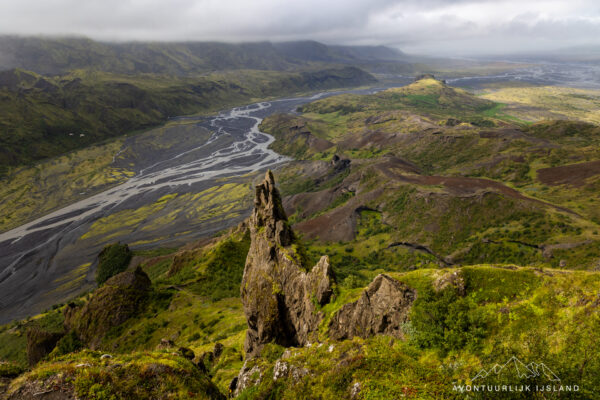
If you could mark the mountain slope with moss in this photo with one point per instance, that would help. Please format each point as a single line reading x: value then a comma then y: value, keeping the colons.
x: 45, y: 116
x: 438, y: 172
x: 462, y: 321
x: 463, y: 246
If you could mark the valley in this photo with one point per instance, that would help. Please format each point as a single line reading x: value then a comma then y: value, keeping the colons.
x: 471, y: 201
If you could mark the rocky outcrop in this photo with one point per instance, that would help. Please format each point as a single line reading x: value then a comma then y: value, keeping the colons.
x: 453, y: 279
x: 40, y: 343
x: 280, y: 297
x: 122, y: 297
x: 381, y: 309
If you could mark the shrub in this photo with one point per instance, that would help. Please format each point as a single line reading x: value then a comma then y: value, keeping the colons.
x: 112, y: 260
x: 447, y: 321
x: 69, y: 343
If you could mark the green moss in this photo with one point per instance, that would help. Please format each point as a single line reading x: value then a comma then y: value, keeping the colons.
x: 138, y: 375
x: 10, y: 370
x: 112, y: 260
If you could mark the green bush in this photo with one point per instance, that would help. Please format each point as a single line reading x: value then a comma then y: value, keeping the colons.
x: 69, y: 343
x: 112, y: 260
x: 9, y: 370
x: 447, y: 321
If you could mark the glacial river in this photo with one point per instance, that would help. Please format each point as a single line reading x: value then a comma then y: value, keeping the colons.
x: 38, y: 260
x: 40, y: 256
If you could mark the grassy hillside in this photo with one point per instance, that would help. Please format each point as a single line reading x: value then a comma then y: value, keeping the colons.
x: 465, y: 320
x: 62, y: 55
x: 438, y: 175
x: 43, y: 116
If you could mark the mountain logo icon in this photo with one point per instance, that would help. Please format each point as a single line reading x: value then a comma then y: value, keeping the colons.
x: 531, y: 370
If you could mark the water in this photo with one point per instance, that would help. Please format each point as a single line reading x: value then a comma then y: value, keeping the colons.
x: 35, y: 255
x: 577, y: 75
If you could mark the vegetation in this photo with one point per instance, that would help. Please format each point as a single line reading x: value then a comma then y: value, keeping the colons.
x: 44, y: 116
x: 452, y: 336
x: 137, y: 375
x: 492, y: 220
x: 113, y: 259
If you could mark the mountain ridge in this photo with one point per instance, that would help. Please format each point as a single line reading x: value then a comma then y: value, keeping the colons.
x: 52, y: 56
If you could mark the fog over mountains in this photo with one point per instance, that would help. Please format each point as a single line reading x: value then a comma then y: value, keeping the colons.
x: 434, y: 27
x: 58, y: 55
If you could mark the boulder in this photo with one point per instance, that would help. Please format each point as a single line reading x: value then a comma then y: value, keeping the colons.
x: 40, y: 343
x: 123, y: 296
x: 247, y: 377
x: 280, y: 296
x: 382, y: 308
x: 218, y: 349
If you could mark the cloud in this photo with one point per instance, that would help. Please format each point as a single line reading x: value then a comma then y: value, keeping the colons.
x: 430, y: 26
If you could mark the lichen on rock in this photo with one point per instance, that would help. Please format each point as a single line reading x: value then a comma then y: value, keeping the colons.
x: 280, y: 298
x: 122, y: 297
x: 40, y: 343
x: 383, y: 308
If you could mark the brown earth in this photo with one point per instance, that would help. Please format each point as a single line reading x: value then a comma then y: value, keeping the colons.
x: 573, y: 174
x: 340, y: 223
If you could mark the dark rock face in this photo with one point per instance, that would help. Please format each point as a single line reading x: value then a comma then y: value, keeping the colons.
x: 122, y: 296
x: 40, y: 343
x: 381, y: 309
x: 280, y: 297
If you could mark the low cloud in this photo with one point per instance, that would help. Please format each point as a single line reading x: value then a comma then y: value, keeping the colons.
x: 460, y: 27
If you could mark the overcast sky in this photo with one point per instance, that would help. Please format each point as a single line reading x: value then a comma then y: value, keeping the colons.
x: 416, y: 26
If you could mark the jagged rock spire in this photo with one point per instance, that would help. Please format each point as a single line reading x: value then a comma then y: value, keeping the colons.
x: 277, y: 293
x: 269, y: 212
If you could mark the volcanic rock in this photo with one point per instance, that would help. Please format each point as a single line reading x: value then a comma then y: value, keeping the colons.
x: 280, y: 297
x: 40, y: 343
x: 381, y: 309
x: 122, y: 297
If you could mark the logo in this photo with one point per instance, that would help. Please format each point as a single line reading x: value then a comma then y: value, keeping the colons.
x: 531, y: 370
x: 545, y: 379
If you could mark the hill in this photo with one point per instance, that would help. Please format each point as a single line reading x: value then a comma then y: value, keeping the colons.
x: 438, y: 327
x: 56, y: 56
x: 44, y: 116
x: 418, y: 170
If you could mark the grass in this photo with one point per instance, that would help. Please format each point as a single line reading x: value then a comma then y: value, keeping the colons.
x: 513, y: 309
x: 536, y: 103
x: 138, y: 375
x: 44, y: 116
x: 30, y: 192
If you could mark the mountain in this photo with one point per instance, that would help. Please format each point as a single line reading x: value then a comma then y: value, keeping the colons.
x: 52, y: 56
x: 44, y: 116
x: 60, y: 94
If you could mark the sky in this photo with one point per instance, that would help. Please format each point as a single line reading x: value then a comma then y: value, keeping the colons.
x: 442, y: 27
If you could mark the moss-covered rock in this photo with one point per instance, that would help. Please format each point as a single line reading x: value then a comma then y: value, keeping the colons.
x: 113, y: 259
x: 88, y: 375
x: 382, y: 308
x: 280, y: 298
x: 122, y: 297
x: 40, y: 343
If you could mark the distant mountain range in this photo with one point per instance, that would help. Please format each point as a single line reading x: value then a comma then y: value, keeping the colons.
x: 53, y: 56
